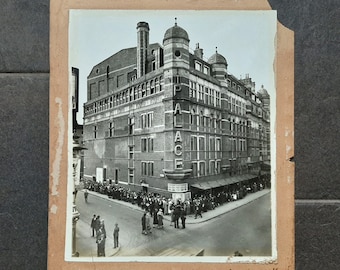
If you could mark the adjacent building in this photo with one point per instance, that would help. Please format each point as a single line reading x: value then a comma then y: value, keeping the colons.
x: 162, y: 119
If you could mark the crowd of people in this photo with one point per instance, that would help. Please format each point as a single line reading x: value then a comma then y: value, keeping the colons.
x: 200, y: 202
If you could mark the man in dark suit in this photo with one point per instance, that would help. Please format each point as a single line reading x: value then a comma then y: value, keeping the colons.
x: 93, y: 224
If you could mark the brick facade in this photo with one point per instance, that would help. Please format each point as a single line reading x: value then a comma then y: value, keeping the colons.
x: 158, y: 115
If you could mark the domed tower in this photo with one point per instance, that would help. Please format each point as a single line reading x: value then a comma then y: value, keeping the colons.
x: 264, y: 96
x: 176, y: 47
x: 219, y: 66
x: 176, y: 95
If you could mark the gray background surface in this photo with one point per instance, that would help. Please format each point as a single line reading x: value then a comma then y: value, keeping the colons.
x: 24, y: 135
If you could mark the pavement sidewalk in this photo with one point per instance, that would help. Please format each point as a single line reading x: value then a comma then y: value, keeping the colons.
x: 210, y: 214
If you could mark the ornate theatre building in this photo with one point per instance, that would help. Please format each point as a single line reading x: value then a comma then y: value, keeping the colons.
x: 160, y: 118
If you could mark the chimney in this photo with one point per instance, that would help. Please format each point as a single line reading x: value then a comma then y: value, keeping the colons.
x: 142, y: 47
x: 198, y: 52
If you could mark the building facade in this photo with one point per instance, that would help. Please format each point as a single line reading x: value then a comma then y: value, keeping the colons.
x: 162, y: 119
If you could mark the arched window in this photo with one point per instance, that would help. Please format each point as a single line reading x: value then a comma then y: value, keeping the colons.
x: 193, y: 117
x: 143, y: 90
x: 156, y: 85
x: 152, y: 87
x: 107, y: 71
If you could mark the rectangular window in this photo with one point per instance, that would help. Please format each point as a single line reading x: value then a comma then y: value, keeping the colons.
x: 147, y: 168
x: 143, y: 144
x: 206, y: 70
x: 143, y: 168
x: 206, y: 97
x: 146, y: 120
x: 202, y: 148
x: 150, y: 119
x: 198, y: 66
x: 193, y: 143
x: 218, y: 144
x: 202, y: 168
x: 111, y: 129
x: 142, y: 121
x: 194, y: 90
x: 150, y: 168
x: 131, y: 176
x: 212, y: 167
x: 131, y: 125
x: 218, y: 167
x: 150, y: 144
x: 95, y: 131
x: 194, y: 169
x: 130, y: 152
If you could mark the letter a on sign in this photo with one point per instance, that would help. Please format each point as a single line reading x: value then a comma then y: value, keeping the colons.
x: 178, y: 109
x: 178, y: 137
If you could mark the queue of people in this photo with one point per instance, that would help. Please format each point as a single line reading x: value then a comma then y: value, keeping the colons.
x: 200, y: 202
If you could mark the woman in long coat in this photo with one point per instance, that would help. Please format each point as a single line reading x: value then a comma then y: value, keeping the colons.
x: 160, y: 219
x: 147, y: 222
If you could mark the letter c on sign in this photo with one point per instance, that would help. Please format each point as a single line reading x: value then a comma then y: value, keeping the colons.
x: 178, y: 150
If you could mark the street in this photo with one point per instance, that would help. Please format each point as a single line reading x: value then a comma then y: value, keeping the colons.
x: 246, y: 229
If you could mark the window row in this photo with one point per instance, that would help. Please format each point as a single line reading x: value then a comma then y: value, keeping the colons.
x: 210, y: 121
x: 199, y: 168
x: 147, y: 144
x: 202, y: 68
x: 146, y: 120
x: 204, y: 94
x: 147, y: 168
x: 197, y: 143
x: 134, y: 93
x: 236, y: 106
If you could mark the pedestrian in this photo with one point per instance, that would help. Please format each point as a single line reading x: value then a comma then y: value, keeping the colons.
x: 115, y: 236
x: 97, y: 223
x: 177, y: 213
x: 155, y: 218
x: 147, y: 223
x: 160, y: 219
x: 165, y: 206
x: 144, y: 223
x: 101, y: 238
x: 86, y: 194
x: 93, y: 225
x: 172, y: 216
x: 198, y: 210
x: 183, y: 217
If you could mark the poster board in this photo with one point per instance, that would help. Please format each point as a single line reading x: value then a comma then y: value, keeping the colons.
x: 62, y: 143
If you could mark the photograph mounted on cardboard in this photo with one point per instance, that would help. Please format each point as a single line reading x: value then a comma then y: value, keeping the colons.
x: 173, y: 136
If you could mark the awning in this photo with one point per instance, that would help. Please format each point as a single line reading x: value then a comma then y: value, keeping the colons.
x: 203, y: 186
x: 223, y: 182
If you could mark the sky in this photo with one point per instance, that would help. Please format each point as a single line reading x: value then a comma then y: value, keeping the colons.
x: 245, y: 38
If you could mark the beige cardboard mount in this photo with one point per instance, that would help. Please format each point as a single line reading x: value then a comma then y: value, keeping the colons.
x: 59, y: 141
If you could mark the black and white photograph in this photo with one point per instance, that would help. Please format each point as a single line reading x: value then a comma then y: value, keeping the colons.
x: 171, y: 136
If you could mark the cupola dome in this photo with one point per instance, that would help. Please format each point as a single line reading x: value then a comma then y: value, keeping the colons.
x: 217, y: 59
x: 263, y: 92
x: 176, y: 32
